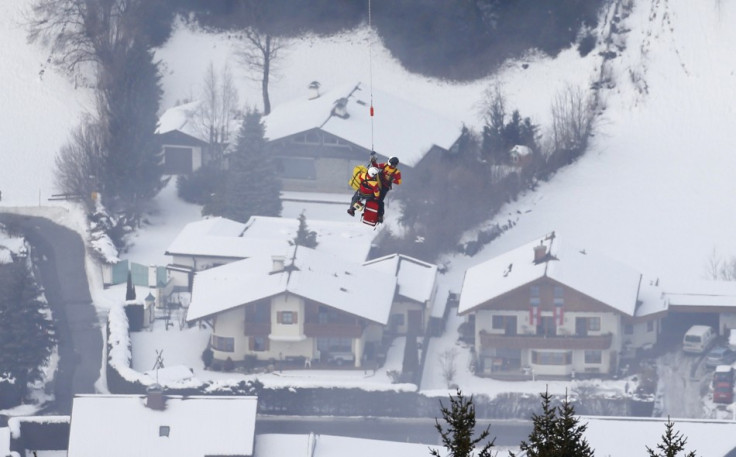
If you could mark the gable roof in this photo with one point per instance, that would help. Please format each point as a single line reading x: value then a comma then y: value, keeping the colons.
x: 263, y: 236
x: 416, y: 279
x: 121, y: 425
x: 592, y: 274
x: 389, y: 124
x: 310, y: 274
x: 181, y: 118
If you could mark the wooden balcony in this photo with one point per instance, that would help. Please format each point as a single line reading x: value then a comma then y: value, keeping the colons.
x: 600, y: 342
x: 333, y: 330
x: 257, y: 328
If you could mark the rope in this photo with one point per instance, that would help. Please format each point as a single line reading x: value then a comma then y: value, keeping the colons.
x: 370, y: 66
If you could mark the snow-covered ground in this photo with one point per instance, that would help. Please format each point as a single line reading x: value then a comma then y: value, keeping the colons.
x: 654, y: 191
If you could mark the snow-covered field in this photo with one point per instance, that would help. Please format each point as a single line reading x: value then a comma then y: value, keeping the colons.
x: 655, y: 190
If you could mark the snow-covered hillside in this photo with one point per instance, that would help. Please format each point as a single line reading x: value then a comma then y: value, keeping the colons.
x: 654, y: 191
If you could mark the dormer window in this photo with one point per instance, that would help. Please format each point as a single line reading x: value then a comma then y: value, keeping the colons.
x: 164, y: 430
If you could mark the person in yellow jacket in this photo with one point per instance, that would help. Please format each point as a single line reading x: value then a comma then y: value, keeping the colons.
x: 389, y: 175
x: 369, y: 188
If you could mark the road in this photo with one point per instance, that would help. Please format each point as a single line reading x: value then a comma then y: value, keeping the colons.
x: 58, y: 254
x: 682, y: 382
x: 507, y: 432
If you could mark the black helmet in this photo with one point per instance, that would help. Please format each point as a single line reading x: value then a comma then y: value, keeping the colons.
x: 393, y: 161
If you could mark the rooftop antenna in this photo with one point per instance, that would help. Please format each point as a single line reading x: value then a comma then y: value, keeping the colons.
x: 159, y: 363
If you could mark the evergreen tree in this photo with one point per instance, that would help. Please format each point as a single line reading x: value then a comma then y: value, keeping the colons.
x: 457, y: 436
x: 130, y: 91
x: 569, y: 433
x: 542, y: 437
x: 304, y: 236
x: 26, y: 331
x: 130, y: 290
x: 251, y: 186
x: 672, y: 445
x: 556, y: 432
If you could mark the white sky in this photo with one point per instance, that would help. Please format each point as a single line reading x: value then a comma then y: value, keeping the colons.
x: 655, y: 191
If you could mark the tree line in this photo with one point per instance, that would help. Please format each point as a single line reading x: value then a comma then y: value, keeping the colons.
x: 556, y: 432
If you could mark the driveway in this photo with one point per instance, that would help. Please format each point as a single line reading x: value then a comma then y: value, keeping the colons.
x: 683, y: 381
x: 58, y: 254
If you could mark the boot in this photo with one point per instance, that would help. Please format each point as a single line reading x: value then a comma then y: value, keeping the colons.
x: 351, y: 211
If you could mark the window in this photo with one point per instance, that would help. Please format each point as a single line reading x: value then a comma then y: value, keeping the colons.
x: 593, y: 356
x: 164, y: 430
x: 534, y: 291
x: 258, y: 313
x: 508, y: 323
x: 397, y: 320
x: 222, y: 343
x: 551, y: 358
x: 628, y: 329
x: 650, y: 326
x: 258, y: 343
x: 583, y: 325
x: 286, y: 317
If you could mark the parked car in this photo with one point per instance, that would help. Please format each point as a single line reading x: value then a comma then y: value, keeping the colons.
x: 723, y: 393
x: 340, y: 358
x: 723, y: 375
x: 698, y: 339
x: 719, y: 355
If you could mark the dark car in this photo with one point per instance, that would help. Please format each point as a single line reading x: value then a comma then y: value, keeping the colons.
x: 719, y: 355
x: 723, y: 375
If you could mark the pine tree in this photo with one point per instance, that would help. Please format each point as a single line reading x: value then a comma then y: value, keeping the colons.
x: 251, y: 186
x: 304, y: 236
x: 556, y: 432
x: 569, y: 433
x: 457, y: 436
x: 129, y: 100
x: 26, y: 331
x: 542, y: 437
x: 130, y: 290
x: 672, y: 445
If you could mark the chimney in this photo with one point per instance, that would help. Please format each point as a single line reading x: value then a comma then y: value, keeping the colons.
x: 540, y: 252
x: 155, y: 398
x: 314, y: 90
x: 278, y: 262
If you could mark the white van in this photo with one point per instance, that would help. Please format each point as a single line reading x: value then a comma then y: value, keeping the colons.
x: 698, y: 339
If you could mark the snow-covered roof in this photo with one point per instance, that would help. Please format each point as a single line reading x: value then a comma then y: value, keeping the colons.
x: 594, y: 275
x: 416, y: 279
x: 337, y: 446
x: 705, y: 437
x: 122, y: 425
x: 387, y: 131
x: 702, y: 293
x: 311, y: 274
x: 261, y: 235
x: 652, y: 300
x: 182, y: 118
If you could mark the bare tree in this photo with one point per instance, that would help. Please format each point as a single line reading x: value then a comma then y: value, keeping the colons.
x: 80, y: 31
x: 447, y: 362
x: 79, y: 165
x: 719, y: 269
x: 218, y: 108
x: 259, y: 52
x: 572, y: 122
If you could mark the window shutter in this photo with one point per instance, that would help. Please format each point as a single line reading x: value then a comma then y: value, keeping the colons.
x: 267, y: 345
x: 278, y: 317
x: 294, y: 317
x: 251, y: 343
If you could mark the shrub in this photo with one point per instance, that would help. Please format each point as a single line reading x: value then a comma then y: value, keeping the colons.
x: 198, y: 187
x: 207, y: 357
x: 228, y: 365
